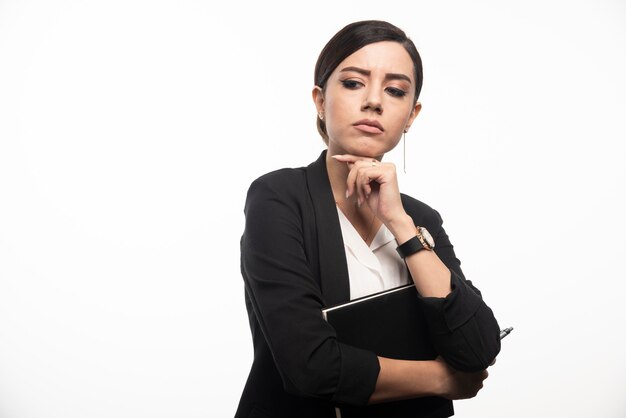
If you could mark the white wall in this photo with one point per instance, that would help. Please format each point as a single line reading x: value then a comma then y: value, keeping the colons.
x: 130, y: 130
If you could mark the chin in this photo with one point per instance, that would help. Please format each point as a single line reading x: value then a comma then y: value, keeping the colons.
x: 370, y: 152
x: 366, y: 147
x: 362, y: 148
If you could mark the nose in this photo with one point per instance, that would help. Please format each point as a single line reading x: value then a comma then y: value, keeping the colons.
x: 372, y: 102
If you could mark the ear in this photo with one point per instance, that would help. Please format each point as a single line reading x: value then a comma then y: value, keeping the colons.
x: 414, y: 112
x: 318, y: 98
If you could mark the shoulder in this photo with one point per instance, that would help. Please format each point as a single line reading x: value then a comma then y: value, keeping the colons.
x: 285, y: 186
x: 283, y: 181
x: 290, y: 180
x: 422, y: 213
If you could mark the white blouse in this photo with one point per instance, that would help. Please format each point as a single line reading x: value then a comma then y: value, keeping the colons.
x: 375, y: 268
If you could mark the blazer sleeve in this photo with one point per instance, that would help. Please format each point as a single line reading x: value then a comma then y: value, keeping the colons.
x: 463, y: 328
x: 287, y: 301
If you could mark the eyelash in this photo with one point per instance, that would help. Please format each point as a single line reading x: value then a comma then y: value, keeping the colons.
x: 351, y: 84
x: 396, y: 92
x: 393, y: 91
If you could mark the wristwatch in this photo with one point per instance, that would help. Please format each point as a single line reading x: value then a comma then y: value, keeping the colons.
x: 421, y: 241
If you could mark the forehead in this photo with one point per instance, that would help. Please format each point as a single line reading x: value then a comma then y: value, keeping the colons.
x: 386, y: 57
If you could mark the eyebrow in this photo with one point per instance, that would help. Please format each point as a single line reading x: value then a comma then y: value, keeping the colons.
x: 388, y: 76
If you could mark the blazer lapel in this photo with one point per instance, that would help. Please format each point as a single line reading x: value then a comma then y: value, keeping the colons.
x: 334, y: 277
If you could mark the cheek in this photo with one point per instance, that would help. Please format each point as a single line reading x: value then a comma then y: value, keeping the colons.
x: 401, y: 117
x: 334, y: 103
x: 397, y: 122
x: 336, y: 111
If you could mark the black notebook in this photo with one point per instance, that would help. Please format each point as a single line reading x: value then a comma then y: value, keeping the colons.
x: 391, y: 324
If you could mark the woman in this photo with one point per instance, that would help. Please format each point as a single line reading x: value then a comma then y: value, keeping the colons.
x: 339, y: 229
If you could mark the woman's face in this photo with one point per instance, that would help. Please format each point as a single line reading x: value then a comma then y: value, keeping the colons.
x: 368, y: 101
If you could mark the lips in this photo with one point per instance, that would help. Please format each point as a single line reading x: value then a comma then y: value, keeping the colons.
x: 369, y: 126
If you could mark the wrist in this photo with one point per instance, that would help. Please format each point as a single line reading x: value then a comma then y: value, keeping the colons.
x: 403, y: 228
x: 439, y: 378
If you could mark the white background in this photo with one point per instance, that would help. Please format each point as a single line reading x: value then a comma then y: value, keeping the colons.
x: 130, y: 131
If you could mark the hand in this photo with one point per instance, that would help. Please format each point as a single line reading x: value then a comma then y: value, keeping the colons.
x: 376, y: 184
x: 460, y: 385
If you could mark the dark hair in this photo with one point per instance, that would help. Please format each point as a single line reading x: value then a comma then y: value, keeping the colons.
x: 354, y: 37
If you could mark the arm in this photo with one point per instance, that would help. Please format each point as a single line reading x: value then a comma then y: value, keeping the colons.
x: 401, y: 379
x: 405, y: 379
x: 462, y: 327
x: 430, y: 275
x: 287, y: 302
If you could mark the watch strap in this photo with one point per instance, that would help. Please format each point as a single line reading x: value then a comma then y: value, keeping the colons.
x: 410, y: 247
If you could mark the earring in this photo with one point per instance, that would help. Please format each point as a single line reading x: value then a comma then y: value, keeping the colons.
x: 320, y: 115
x: 404, y: 150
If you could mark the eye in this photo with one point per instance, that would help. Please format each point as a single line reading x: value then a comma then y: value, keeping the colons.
x: 351, y: 84
x: 395, y: 92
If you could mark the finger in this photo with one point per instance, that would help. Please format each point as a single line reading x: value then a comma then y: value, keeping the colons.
x: 358, y: 178
x: 364, y: 177
x: 363, y: 181
x: 359, y: 185
x: 351, y: 181
x: 353, y: 159
x: 367, y: 190
x: 349, y: 158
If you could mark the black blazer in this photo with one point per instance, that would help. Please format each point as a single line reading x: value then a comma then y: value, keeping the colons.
x: 293, y: 265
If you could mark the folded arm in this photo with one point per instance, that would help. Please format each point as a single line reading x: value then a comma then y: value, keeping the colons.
x: 463, y: 328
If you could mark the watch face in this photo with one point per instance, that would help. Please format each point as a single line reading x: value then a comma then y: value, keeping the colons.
x: 427, y: 237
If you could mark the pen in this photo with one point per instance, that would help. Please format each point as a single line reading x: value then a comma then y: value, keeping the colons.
x: 505, y: 332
